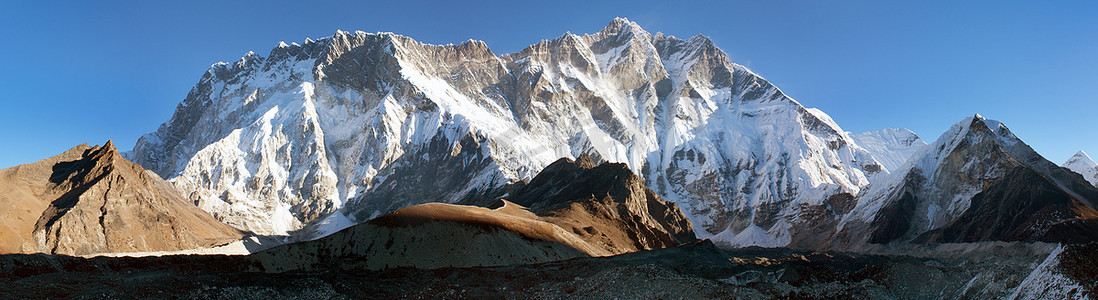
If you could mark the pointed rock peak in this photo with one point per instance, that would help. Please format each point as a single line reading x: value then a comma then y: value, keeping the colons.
x: 105, y: 154
x: 474, y: 49
x: 701, y: 39
x: 585, y: 161
x: 977, y: 121
x: 1080, y: 159
x: 621, y: 25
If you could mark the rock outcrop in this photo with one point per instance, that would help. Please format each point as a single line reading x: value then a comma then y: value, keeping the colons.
x: 572, y: 209
x: 91, y: 200
x: 607, y: 205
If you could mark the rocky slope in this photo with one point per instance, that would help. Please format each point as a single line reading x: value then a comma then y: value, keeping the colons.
x: 317, y: 136
x: 977, y: 182
x: 90, y: 200
x: 1082, y: 164
x: 572, y: 209
x: 1067, y: 273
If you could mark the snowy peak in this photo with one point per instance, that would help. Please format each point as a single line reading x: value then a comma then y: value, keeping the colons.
x: 1082, y: 159
x: 891, y: 147
x: 621, y: 25
x: 1082, y: 163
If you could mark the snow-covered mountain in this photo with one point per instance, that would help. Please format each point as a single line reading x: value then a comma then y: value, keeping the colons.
x: 320, y: 135
x: 977, y: 182
x: 891, y: 147
x: 1082, y: 164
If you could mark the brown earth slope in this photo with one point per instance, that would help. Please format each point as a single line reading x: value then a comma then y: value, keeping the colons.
x: 91, y: 200
x: 577, y: 210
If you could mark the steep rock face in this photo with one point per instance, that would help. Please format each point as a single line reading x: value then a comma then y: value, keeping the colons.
x: 573, y: 209
x: 1082, y: 164
x: 891, y: 147
x: 318, y: 136
x: 977, y: 182
x: 91, y: 200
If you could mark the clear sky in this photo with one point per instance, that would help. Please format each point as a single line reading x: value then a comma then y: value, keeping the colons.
x: 85, y: 72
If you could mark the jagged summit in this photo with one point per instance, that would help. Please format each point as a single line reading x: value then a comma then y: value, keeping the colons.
x: 620, y: 25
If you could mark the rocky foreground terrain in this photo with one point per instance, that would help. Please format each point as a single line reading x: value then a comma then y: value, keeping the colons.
x: 696, y: 270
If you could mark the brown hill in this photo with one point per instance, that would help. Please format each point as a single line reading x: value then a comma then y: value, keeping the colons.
x: 91, y: 200
x: 577, y: 210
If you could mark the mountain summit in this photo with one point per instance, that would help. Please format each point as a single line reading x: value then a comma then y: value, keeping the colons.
x: 1082, y: 164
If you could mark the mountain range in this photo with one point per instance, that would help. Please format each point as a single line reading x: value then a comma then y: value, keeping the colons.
x: 376, y: 152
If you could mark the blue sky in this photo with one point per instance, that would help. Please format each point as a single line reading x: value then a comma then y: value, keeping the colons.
x: 81, y: 72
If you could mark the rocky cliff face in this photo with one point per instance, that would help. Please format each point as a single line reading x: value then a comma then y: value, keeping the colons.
x: 977, y: 182
x: 317, y: 136
x: 91, y: 200
x: 571, y: 209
